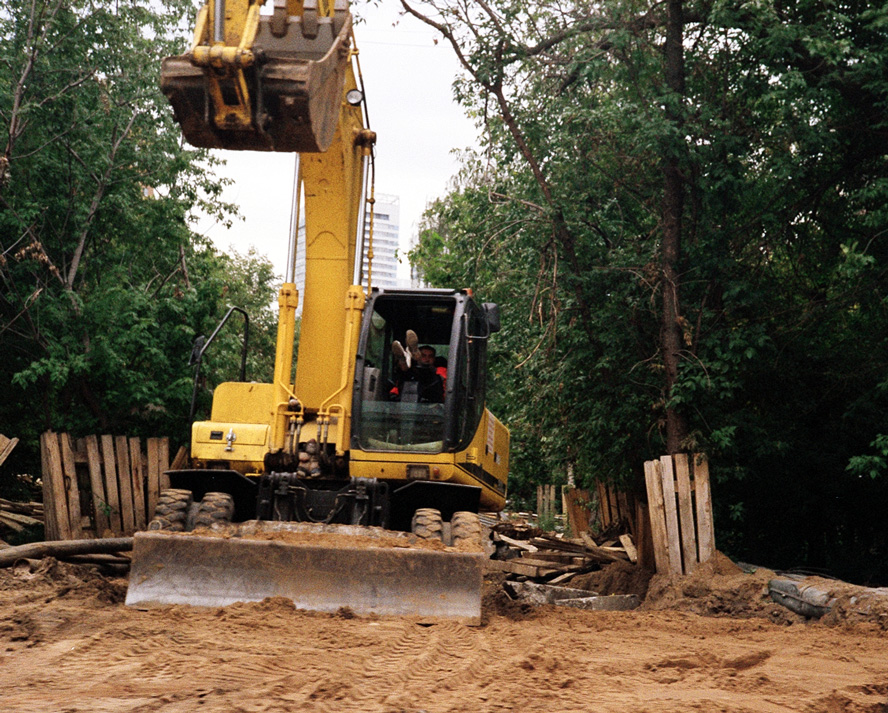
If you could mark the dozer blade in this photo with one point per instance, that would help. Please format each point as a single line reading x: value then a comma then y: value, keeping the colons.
x: 295, y: 91
x: 340, y: 571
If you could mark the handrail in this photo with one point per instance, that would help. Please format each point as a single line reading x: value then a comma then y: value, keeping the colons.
x: 201, y: 344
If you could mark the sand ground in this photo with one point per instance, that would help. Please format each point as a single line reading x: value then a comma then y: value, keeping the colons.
x: 712, y: 642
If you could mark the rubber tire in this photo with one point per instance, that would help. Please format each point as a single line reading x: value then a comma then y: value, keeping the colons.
x: 171, y: 511
x: 465, y: 527
x: 428, y: 524
x: 216, y: 509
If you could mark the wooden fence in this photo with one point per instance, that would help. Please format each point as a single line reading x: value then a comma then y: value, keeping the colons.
x: 547, y: 507
x: 577, y: 506
x: 615, y: 506
x: 680, y: 512
x: 100, y: 486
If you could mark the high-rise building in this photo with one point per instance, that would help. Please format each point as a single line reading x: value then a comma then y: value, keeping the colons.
x: 386, y: 226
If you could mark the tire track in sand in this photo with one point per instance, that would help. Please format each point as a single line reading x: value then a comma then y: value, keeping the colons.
x: 414, y: 661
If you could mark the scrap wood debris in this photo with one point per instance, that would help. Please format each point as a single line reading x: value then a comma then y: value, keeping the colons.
x: 17, y: 516
x: 536, y: 564
x: 528, y: 553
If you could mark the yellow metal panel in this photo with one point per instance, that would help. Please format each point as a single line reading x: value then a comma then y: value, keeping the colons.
x: 331, y: 227
x: 245, y: 453
x: 235, y: 19
x: 238, y: 402
x: 288, y: 301
x: 485, y: 463
x: 245, y: 434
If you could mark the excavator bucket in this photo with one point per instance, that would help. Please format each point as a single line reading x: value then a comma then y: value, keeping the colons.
x: 320, y: 568
x: 285, y: 96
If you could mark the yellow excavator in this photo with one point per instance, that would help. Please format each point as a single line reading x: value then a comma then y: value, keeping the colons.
x: 355, y: 480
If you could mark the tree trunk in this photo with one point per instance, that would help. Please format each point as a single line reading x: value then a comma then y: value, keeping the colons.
x: 671, y: 332
x: 63, y: 548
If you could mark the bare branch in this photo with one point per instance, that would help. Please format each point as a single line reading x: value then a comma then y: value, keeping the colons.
x: 94, y: 205
x: 15, y: 127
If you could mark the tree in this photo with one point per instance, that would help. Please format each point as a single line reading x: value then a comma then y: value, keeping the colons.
x: 730, y: 158
x: 104, y: 284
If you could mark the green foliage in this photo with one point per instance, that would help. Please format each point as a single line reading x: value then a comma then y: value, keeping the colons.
x: 780, y: 139
x: 103, y: 285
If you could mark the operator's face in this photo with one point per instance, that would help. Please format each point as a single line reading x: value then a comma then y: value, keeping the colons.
x: 427, y: 357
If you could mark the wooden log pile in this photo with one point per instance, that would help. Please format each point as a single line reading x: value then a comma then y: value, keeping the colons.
x: 17, y: 516
x: 555, y: 559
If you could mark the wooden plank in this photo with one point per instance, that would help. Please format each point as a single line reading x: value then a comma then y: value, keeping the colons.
x: 152, y: 476
x: 565, y: 508
x: 519, y: 544
x: 603, y: 510
x: 667, y: 477
x: 657, y: 516
x: 626, y: 541
x: 57, y: 493
x: 520, y: 567
x: 644, y: 541
x: 627, y: 508
x: 6, y: 446
x: 562, y: 578
x: 543, y: 564
x: 554, y: 557
x: 125, y: 483
x: 164, y: 460
x: 72, y: 487
x: 551, y: 542
x: 612, y: 501
x: 112, y: 492
x: 138, y: 482
x: 605, y: 554
x: 99, y: 501
x: 705, y: 528
x: 576, y: 510
x: 50, y: 528
x: 685, y: 512
x: 179, y: 462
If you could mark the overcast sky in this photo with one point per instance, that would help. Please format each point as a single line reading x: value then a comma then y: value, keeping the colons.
x: 408, y: 82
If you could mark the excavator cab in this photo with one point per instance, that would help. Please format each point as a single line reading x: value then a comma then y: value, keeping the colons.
x: 427, y: 432
x: 262, y: 82
x: 429, y: 408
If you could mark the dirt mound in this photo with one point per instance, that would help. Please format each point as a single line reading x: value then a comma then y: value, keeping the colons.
x: 495, y: 602
x: 718, y: 588
x: 617, y: 578
x: 59, y: 579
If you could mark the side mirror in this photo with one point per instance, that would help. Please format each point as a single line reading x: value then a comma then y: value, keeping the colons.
x: 491, y: 311
x: 197, y: 349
